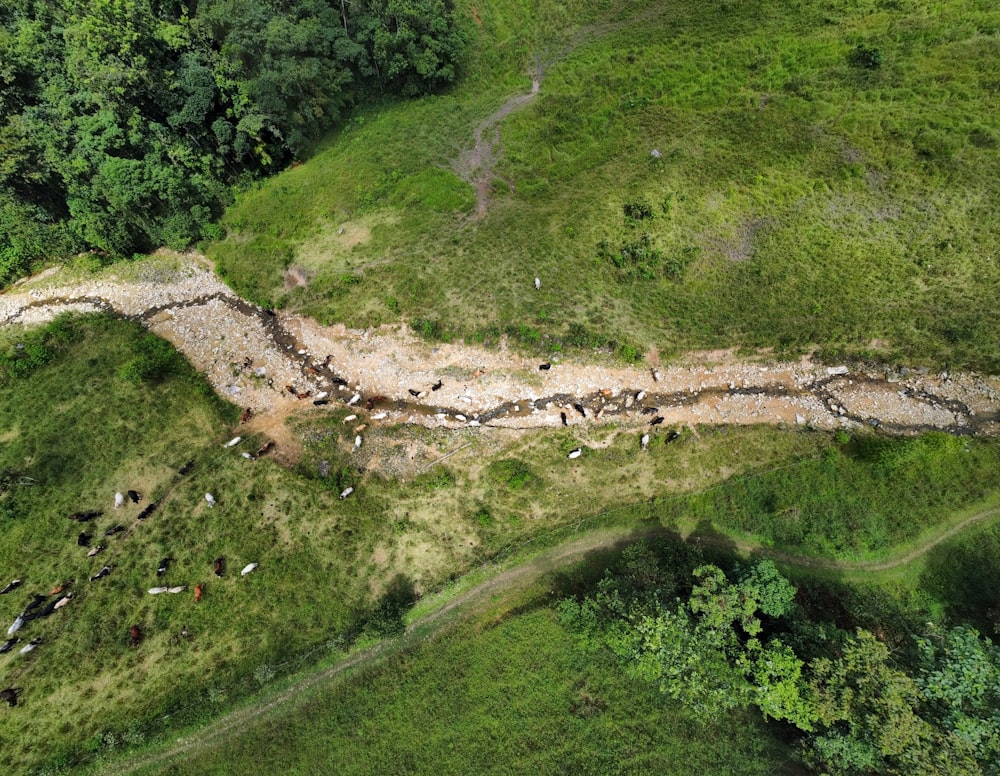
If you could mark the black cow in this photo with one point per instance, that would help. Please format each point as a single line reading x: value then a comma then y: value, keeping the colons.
x: 219, y: 566
x: 83, y: 539
x: 186, y: 468
x: 437, y: 386
x: 650, y: 410
x: 321, y: 402
x: 36, y: 601
x: 115, y: 529
x: 134, y: 496
x: 656, y: 421
x: 672, y: 436
x: 10, y: 695
x: 579, y: 408
x: 545, y: 367
x: 162, y: 568
x: 8, y: 645
x: 101, y: 574
x: 13, y: 584
x: 562, y: 416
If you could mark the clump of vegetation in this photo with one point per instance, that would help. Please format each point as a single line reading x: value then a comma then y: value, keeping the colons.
x: 511, y: 472
x: 715, y: 641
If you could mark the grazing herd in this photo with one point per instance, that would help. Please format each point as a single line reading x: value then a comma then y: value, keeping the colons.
x: 42, y: 606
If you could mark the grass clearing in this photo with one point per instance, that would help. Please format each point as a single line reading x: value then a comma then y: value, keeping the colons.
x: 800, y: 198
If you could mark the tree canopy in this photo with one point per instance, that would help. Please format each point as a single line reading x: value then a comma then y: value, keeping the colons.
x: 124, y: 124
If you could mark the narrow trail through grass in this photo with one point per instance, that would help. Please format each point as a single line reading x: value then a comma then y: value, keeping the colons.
x: 518, y: 577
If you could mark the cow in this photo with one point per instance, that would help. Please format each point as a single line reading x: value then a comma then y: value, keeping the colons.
x: 119, y: 500
x: 538, y: 283
x: 357, y: 442
x: 640, y: 396
x: 83, y: 539
x: 134, y: 496
x: 157, y: 590
x: 62, y: 601
x: 134, y: 635
x: 14, y: 583
x: 562, y: 417
x: 264, y: 450
x: 115, y: 529
x: 162, y: 568
x: 672, y: 436
x: 30, y: 646
x: 576, y: 453
x: 210, y: 499
x: 644, y: 442
x: 177, y: 589
x: 199, y: 591
x: 219, y: 566
x: 148, y: 510
x: 8, y: 645
x: 16, y: 625
x: 248, y: 568
x: 413, y: 393
x: 83, y: 517
x: 303, y: 394
x: 579, y: 408
x: 345, y: 493
x: 60, y: 587
x: 233, y: 442
x: 186, y: 468
x: 355, y: 399
x: 36, y: 601
x: 545, y: 367
x: 247, y: 414
x: 338, y: 381
x: 321, y: 402
x: 370, y: 404
x: 437, y: 386
x: 649, y: 410
x: 10, y: 694
x: 101, y: 574
x: 96, y: 550
x: 656, y: 421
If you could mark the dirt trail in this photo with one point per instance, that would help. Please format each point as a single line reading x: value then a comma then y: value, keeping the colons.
x: 265, y: 360
x: 518, y: 577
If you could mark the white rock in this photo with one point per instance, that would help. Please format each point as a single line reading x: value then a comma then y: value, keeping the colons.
x: 800, y: 419
x: 836, y: 370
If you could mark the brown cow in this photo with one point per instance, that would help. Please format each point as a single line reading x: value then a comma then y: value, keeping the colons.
x: 219, y: 566
x: 247, y: 414
x: 199, y: 591
x: 134, y: 635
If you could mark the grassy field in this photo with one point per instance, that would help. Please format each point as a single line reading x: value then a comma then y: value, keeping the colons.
x: 825, y: 178
x: 91, y: 406
x: 504, y: 693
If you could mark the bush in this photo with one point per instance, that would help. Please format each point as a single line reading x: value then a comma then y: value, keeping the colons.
x: 865, y: 57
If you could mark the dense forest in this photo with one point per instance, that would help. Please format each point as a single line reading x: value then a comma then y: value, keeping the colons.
x: 862, y: 685
x: 124, y: 124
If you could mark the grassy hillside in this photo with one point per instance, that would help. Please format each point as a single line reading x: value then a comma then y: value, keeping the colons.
x: 90, y: 406
x: 825, y: 176
x: 508, y: 694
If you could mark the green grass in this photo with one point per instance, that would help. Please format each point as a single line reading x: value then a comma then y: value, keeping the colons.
x: 77, y: 424
x: 799, y: 199
x: 855, y: 500
x: 507, y: 694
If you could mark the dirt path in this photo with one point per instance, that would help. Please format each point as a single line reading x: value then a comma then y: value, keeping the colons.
x: 265, y: 360
x: 518, y: 577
